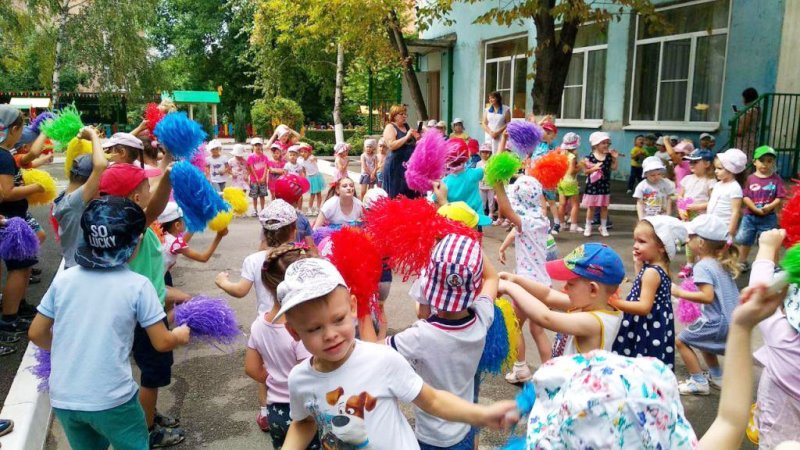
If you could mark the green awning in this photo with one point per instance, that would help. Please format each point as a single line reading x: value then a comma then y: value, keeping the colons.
x: 195, y: 97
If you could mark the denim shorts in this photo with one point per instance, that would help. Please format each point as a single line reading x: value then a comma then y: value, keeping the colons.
x: 752, y: 226
x: 465, y: 444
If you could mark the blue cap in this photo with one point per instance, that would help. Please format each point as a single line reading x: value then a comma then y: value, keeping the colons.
x: 28, y: 136
x: 111, y: 229
x: 594, y: 261
x: 699, y: 154
x: 82, y: 166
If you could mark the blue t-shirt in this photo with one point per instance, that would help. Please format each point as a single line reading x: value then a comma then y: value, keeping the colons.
x: 464, y: 187
x: 94, y: 313
x: 710, y: 331
x: 542, y: 149
x: 303, y: 227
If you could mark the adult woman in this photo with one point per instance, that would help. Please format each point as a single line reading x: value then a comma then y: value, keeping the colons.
x: 341, y: 207
x: 400, y: 141
x: 495, y: 119
x: 747, y: 131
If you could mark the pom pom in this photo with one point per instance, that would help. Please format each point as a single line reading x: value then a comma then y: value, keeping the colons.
x: 36, y: 123
x: 220, y: 221
x: 237, y: 199
x: 790, y: 216
x: 64, y: 127
x: 323, y: 232
x: 18, y: 241
x: 199, y: 158
x: 152, y: 115
x: 211, y: 320
x: 75, y: 148
x: 42, y: 178
x: 357, y: 259
x: 496, y: 348
x: 427, y: 163
x: 406, y: 231
x: 501, y: 167
x: 550, y: 169
x: 513, y: 331
x: 688, y: 311
x: 683, y: 203
x: 179, y: 134
x: 525, y: 401
x: 791, y: 264
x: 41, y: 369
x: 524, y: 136
x: 193, y: 193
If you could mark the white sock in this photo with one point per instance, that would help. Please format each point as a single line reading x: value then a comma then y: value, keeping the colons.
x: 557, y: 221
x: 264, y: 411
x: 603, y: 222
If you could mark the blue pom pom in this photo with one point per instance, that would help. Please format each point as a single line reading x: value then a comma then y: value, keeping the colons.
x: 496, y: 348
x: 18, y: 242
x: 516, y: 443
x: 526, y: 399
x: 179, y: 134
x: 194, y: 194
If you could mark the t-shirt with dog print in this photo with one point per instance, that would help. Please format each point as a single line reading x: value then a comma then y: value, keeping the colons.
x: 356, y: 406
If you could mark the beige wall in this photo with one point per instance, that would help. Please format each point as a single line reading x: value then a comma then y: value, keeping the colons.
x: 788, y: 81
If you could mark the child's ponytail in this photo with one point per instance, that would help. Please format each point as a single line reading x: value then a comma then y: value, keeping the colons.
x: 727, y: 255
x: 277, y: 260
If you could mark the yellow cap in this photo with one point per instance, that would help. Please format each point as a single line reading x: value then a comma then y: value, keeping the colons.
x: 460, y: 212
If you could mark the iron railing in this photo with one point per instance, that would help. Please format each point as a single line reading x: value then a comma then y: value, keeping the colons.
x: 774, y: 120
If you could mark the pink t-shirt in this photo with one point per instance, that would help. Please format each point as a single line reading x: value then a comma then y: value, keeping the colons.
x: 681, y: 170
x: 280, y: 353
x: 259, y: 165
x: 274, y: 176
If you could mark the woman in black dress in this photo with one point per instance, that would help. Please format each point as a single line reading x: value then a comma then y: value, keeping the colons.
x: 400, y: 142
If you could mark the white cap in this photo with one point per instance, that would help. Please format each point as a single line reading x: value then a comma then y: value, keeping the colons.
x: 733, y: 160
x: 373, y: 196
x: 341, y: 147
x: 709, y: 227
x: 570, y: 141
x: 684, y: 147
x: 431, y: 123
x: 370, y: 143
x: 126, y: 139
x: 171, y: 212
x: 707, y: 136
x: 441, y: 124
x: 670, y: 231
x: 214, y: 143
x: 307, y: 279
x: 238, y: 150
x: 277, y: 215
x: 256, y: 141
x: 652, y: 163
x: 598, y: 137
x: 660, y: 140
x: 281, y: 130
x: 458, y: 120
x: 294, y: 148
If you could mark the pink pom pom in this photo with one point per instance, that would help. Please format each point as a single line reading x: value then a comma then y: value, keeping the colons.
x: 199, y: 157
x: 427, y: 163
x: 688, y: 311
x: 683, y: 203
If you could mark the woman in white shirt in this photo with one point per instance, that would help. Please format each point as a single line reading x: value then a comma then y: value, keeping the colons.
x: 341, y: 207
x: 495, y: 119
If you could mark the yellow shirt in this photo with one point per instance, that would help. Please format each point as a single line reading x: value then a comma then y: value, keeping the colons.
x: 463, y: 136
x: 634, y: 154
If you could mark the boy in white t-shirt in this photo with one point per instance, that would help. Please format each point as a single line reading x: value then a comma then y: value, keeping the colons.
x: 654, y: 194
x: 216, y: 165
x: 348, y: 391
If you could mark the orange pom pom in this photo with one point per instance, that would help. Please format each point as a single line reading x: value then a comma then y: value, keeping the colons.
x: 550, y: 169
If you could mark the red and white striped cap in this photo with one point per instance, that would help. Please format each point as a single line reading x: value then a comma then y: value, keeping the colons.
x: 455, y: 273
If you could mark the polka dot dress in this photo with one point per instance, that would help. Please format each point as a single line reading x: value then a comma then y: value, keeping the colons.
x: 653, y: 334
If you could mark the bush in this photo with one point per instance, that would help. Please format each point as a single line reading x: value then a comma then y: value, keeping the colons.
x: 240, y: 124
x: 327, y: 136
x: 202, y: 115
x: 267, y: 114
x: 320, y: 148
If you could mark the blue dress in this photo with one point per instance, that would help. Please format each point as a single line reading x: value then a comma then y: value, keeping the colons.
x: 394, y: 170
x: 653, y: 334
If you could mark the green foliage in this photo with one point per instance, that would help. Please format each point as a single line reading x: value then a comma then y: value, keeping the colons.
x: 202, y: 115
x: 271, y: 112
x: 240, y: 124
x: 321, y: 148
x: 327, y: 136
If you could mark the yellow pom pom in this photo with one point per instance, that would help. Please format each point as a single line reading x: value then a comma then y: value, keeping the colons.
x: 220, y: 221
x: 75, y: 148
x: 513, y: 330
x: 237, y: 199
x: 36, y: 176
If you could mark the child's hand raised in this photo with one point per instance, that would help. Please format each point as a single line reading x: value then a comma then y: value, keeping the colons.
x: 506, y: 276
x: 772, y: 238
x: 502, y: 256
x: 222, y: 233
x: 756, y: 305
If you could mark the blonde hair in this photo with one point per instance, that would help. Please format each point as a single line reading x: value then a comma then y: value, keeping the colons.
x: 395, y: 110
x: 727, y: 255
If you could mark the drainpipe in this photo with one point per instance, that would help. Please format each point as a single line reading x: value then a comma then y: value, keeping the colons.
x: 450, y: 74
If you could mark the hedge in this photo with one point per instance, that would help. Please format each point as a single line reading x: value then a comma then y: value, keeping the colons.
x: 327, y: 136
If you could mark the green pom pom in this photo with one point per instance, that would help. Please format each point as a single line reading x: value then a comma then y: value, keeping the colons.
x: 791, y: 264
x: 501, y: 167
x: 64, y: 127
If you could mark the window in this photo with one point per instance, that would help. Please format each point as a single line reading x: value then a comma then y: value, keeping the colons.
x: 677, y: 72
x: 506, y: 71
x: 583, y: 91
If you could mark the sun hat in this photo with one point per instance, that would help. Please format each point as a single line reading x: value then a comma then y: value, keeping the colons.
x: 370, y: 143
x: 126, y: 139
x: 281, y: 130
x: 276, y: 146
x: 460, y: 212
x: 111, y: 230
x: 294, y: 149
x: 597, y: 137
x: 373, y: 196
x: 525, y: 196
x: 684, y: 147
x: 593, y: 261
x: 485, y: 147
x: 670, y: 231
x: 708, y: 226
x: 455, y: 273
x: 82, y: 166
x: 570, y: 141
x: 307, y: 279
x: 652, y: 163
x: 441, y: 124
x: 699, y: 154
x: 122, y: 178
x: 458, y: 120
x: 660, y: 140
x: 550, y: 126
x: 341, y: 147
x: 171, y: 212
x: 763, y: 151
x: 8, y: 116
x: 733, y: 160
x: 238, y: 150
x: 290, y: 188
x: 214, y: 144
x: 707, y: 136
x: 603, y: 400
x: 256, y: 141
x: 431, y: 123
x: 277, y: 215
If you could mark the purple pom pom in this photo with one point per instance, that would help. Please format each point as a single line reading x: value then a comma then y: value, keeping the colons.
x: 35, y: 123
x: 179, y: 134
x: 323, y: 232
x: 42, y: 369
x: 18, y: 242
x: 688, y: 311
x: 428, y: 162
x: 211, y: 320
x: 524, y: 137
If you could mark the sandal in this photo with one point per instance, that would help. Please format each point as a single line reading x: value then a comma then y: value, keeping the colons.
x: 8, y: 339
x: 5, y: 350
x: 165, y: 437
x: 166, y: 421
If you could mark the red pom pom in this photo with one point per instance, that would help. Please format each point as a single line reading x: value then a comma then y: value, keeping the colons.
x: 550, y: 169
x: 358, y: 260
x: 790, y: 216
x: 152, y: 115
x: 407, y: 230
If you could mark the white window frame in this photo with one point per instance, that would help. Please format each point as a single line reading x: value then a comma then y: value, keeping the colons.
x: 583, y: 122
x: 683, y: 124
x: 513, y: 59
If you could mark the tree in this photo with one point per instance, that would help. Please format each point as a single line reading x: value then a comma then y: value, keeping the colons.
x: 553, y: 50
x: 269, y: 113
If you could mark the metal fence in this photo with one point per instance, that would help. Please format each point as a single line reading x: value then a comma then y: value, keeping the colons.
x: 774, y: 120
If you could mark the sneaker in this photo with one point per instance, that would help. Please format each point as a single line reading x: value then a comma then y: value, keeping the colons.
x: 6, y: 350
x: 686, y: 272
x: 26, y: 310
x: 165, y: 437
x: 574, y: 228
x: 587, y: 231
x: 263, y: 423
x: 744, y: 267
x: 6, y: 339
x: 6, y: 426
x: 556, y: 229
x: 691, y: 387
x: 166, y: 421
x: 604, y: 232
x: 18, y: 326
x: 714, y: 382
x: 35, y: 271
x: 520, y: 373
x: 34, y: 280
x: 254, y: 214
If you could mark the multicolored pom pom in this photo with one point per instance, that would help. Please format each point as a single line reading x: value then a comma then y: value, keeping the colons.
x: 501, y: 167
x: 45, y: 180
x: 211, y: 320
x: 179, y: 134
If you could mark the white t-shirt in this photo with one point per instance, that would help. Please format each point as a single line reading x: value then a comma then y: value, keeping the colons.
x: 530, y: 248
x: 334, y: 215
x: 720, y: 202
x: 280, y: 353
x: 697, y: 188
x: 294, y: 169
x: 216, y: 168
x: 310, y: 166
x: 655, y: 197
x: 172, y: 245
x: 251, y: 271
x: 446, y: 355
x: 357, y: 404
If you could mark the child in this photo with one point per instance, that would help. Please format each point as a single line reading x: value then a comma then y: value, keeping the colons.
x: 695, y: 190
x: 341, y: 207
x: 90, y: 333
x: 315, y: 178
x: 453, y: 337
x: 237, y: 165
x: 381, y: 159
x: 293, y: 165
x: 638, y: 154
x: 340, y: 161
x: 461, y: 183
x: 176, y: 240
x: 568, y: 190
x: 216, y: 165
x: 348, y: 391
x: 524, y: 211
x: 84, y: 181
x: 653, y: 194
x: 588, y: 322
x: 283, y: 137
x: 598, y: 167
x: 726, y: 197
x: 459, y: 132
x: 369, y: 167
x: 762, y: 196
x: 486, y: 191
x: 275, y: 168
x: 714, y: 276
x: 650, y: 148
x: 271, y: 352
x: 257, y: 168
x: 290, y: 188
x: 647, y: 326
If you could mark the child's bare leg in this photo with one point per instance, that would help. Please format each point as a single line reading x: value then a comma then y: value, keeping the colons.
x: 589, y: 215
x: 262, y: 394
x: 710, y: 359
x: 562, y: 205
x: 573, y: 215
x: 542, y: 342
x: 744, y: 252
x: 554, y: 207
x: 255, y: 204
x: 689, y: 357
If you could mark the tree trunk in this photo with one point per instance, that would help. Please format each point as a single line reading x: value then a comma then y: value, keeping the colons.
x: 397, y: 41
x: 337, y: 96
x: 553, y: 55
x: 62, y: 25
